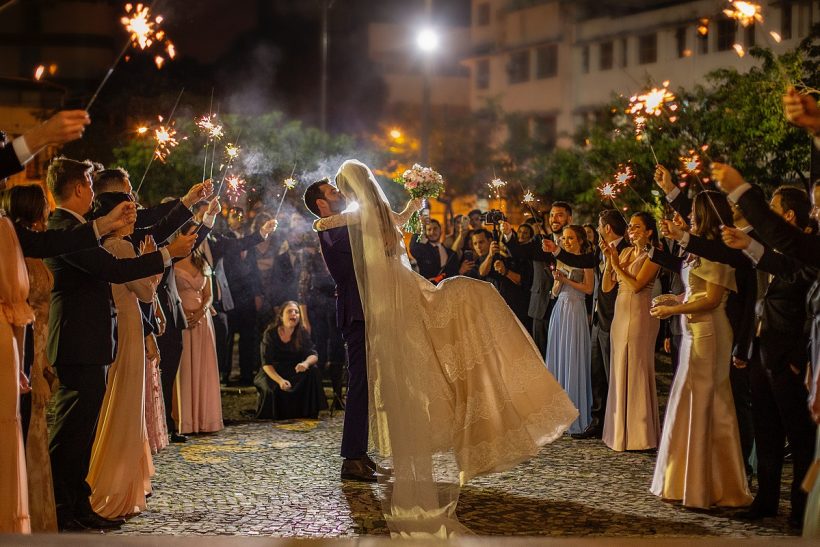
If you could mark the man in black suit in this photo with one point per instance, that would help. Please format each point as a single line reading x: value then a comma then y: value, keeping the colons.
x: 611, y: 228
x: 62, y: 127
x: 435, y: 261
x: 779, y: 362
x: 81, y: 341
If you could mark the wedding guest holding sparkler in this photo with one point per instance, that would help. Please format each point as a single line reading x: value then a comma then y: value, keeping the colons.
x: 63, y: 127
x: 568, y: 351
x: 631, y: 421
x: 700, y: 461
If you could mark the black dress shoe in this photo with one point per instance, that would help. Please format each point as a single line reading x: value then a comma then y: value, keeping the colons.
x: 357, y: 470
x: 178, y: 438
x: 70, y: 525
x: 756, y: 513
x: 377, y: 469
x: 93, y: 521
x: 591, y: 432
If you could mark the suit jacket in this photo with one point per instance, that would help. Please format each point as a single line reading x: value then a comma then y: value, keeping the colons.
x: 339, y: 261
x: 53, y: 242
x: 429, y: 262
x: 163, y: 227
x: 542, y: 279
x: 82, y: 321
x: 776, y: 232
x: 603, y: 302
x: 9, y: 164
x: 227, y: 249
x: 784, y: 334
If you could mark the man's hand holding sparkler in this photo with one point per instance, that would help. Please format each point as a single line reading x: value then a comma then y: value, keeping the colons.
x: 181, y: 245
x: 549, y: 246
x: 671, y: 230
x: 663, y: 178
x: 735, y: 238
x: 198, y: 192
x: 268, y: 227
x: 802, y: 111
x: 727, y: 177
x: 62, y: 127
x: 120, y: 216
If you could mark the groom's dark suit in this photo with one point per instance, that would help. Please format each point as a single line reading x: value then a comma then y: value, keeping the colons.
x: 350, y: 319
x: 81, y: 345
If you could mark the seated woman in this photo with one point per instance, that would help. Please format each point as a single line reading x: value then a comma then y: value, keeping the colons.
x: 289, y: 383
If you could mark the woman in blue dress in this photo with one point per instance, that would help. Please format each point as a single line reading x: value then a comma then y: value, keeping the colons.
x: 568, y: 347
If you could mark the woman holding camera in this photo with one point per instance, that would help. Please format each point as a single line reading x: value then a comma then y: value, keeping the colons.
x: 568, y: 344
x: 631, y: 421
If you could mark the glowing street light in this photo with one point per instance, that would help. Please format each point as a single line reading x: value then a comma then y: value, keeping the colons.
x: 427, y: 40
x: 395, y: 134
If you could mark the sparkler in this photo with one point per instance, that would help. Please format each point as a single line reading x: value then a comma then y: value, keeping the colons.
x: 623, y: 177
x: 495, y: 187
x: 164, y: 136
x: 609, y: 190
x: 651, y: 104
x: 231, y: 157
x: 692, y: 164
x: 289, y: 183
x: 38, y: 72
x: 235, y: 187
x: 143, y: 31
x: 745, y: 13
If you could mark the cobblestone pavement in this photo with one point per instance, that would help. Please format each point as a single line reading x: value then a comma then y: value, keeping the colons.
x: 281, y: 479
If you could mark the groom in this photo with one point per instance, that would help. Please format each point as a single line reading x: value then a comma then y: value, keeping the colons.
x: 323, y: 199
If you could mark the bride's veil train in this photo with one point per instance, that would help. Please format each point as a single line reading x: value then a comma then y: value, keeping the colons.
x: 457, y: 388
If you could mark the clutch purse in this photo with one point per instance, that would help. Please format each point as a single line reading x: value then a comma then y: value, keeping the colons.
x: 666, y: 300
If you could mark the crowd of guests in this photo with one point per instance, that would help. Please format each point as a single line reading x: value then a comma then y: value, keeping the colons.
x: 126, y: 319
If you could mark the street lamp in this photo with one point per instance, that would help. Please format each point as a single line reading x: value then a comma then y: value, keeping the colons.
x: 427, y: 40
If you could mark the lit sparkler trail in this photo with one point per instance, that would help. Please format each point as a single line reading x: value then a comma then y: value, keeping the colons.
x: 143, y: 31
x: 652, y: 103
x: 529, y: 197
x: 206, y: 125
x: 231, y: 151
x: 231, y: 158
x: 142, y: 130
x: 166, y: 140
x: 495, y: 187
x: 161, y: 136
x: 609, y: 190
x: 289, y: 183
x: 623, y: 178
x: 691, y: 163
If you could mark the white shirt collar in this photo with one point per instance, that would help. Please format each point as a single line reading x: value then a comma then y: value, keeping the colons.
x: 618, y: 241
x: 74, y: 214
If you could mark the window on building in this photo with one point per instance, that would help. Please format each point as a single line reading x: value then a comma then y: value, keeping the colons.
x: 519, y: 67
x: 726, y: 34
x: 546, y: 130
x: 750, y: 36
x: 585, y: 59
x: 482, y: 74
x: 786, y: 21
x: 624, y: 52
x: 648, y: 49
x: 607, y: 60
x: 482, y: 18
x: 519, y: 130
x: 703, y: 36
x: 680, y: 43
x: 546, y: 61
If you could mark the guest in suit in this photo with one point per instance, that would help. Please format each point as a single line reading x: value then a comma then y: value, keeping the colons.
x: 61, y: 128
x: 289, y: 384
x: 436, y: 262
x: 612, y: 228
x: 246, y: 290
x: 568, y: 353
x: 323, y: 200
x: 631, y: 421
x: 82, y: 310
x: 700, y: 461
x: 778, y: 364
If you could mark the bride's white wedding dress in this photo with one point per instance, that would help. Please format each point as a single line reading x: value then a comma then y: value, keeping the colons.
x: 457, y: 388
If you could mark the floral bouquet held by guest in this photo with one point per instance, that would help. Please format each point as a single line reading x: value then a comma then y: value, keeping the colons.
x: 420, y: 182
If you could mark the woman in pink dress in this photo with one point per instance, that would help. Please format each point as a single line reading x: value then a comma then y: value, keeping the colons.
x: 121, y: 465
x: 197, y: 398
x: 27, y: 206
x: 154, y: 403
x: 15, y: 313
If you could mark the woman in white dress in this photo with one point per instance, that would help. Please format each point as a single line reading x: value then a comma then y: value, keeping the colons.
x: 457, y: 388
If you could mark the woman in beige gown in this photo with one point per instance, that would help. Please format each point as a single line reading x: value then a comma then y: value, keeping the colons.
x: 15, y: 313
x: 121, y: 465
x: 631, y: 421
x: 27, y: 205
x: 197, y: 397
x: 699, y: 460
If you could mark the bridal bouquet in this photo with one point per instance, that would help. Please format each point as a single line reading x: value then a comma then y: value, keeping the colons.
x: 420, y: 182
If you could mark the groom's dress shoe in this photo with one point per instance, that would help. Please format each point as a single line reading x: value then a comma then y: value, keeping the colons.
x: 357, y: 470
x: 377, y: 469
x: 178, y: 438
x: 591, y: 432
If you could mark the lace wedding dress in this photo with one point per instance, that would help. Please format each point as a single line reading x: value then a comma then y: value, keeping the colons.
x: 457, y: 388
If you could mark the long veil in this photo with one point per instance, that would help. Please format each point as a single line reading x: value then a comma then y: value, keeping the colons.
x: 457, y: 388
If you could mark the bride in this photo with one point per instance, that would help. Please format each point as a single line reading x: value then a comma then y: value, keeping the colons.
x: 457, y: 388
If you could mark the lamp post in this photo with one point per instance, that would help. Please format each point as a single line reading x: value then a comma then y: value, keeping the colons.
x: 427, y: 41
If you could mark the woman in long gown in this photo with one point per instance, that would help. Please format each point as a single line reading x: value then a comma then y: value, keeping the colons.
x: 700, y: 461
x: 289, y: 382
x: 198, y: 400
x: 154, y: 404
x: 121, y: 465
x: 457, y: 388
x: 631, y: 421
x: 568, y: 344
x: 27, y: 206
x: 15, y: 313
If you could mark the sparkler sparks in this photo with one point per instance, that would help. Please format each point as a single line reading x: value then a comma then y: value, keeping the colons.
x: 609, y: 190
x: 290, y: 183
x: 142, y: 130
x: 495, y: 187
x: 529, y: 197
x: 624, y: 175
x: 739, y: 50
x: 210, y: 127
x: 39, y: 71
x: 165, y: 135
x: 235, y: 187
x: 745, y: 13
x: 145, y: 32
x: 653, y: 102
x: 231, y: 151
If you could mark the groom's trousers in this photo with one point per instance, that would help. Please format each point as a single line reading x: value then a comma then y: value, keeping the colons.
x: 354, y: 435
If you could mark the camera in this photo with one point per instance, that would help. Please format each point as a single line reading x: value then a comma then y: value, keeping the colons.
x: 493, y: 216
